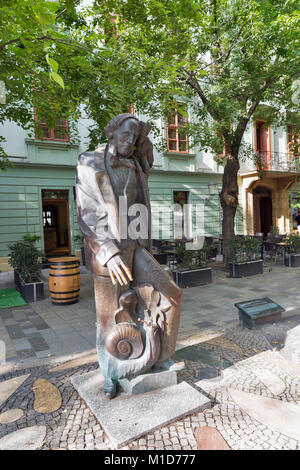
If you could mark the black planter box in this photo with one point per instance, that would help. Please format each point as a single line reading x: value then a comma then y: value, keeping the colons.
x: 251, y: 268
x: 30, y: 292
x: 193, y: 278
x: 292, y: 260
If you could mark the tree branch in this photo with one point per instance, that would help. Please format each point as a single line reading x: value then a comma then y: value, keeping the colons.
x: 241, y: 127
x: 64, y: 11
x: 193, y: 82
x: 2, y: 46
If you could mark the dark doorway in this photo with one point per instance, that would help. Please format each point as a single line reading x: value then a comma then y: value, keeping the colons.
x: 266, y: 220
x: 56, y: 225
x: 181, y: 214
x: 262, y: 210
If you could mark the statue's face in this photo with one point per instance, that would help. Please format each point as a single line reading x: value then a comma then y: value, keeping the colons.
x: 125, y: 137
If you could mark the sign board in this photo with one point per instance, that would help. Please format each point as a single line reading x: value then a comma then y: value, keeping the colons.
x: 259, y: 311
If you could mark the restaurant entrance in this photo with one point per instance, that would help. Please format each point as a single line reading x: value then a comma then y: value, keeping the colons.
x: 263, y: 211
x: 56, y: 222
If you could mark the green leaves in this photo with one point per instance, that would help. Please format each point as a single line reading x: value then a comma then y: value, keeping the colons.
x: 45, y: 17
x: 57, y: 78
x: 44, y: 12
x: 53, y: 72
x: 53, y: 64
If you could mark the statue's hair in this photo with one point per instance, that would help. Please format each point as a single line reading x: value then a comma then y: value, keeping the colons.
x: 144, y: 148
x: 116, y: 122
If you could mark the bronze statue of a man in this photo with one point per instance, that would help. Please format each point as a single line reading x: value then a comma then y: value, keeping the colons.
x: 138, y: 304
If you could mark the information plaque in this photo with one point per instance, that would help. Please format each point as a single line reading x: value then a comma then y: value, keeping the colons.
x: 256, y: 312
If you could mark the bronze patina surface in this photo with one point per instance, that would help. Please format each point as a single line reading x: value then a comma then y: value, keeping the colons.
x: 138, y: 304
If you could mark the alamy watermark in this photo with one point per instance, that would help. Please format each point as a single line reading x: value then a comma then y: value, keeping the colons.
x: 133, y: 222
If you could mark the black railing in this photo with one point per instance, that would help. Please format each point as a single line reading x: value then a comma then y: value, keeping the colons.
x: 277, y: 161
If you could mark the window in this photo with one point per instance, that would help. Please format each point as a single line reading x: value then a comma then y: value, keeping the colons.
x: 262, y: 143
x: 293, y: 141
x: 177, y: 138
x: 49, y: 216
x: 60, y: 132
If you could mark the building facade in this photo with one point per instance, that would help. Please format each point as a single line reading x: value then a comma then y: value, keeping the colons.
x: 37, y: 195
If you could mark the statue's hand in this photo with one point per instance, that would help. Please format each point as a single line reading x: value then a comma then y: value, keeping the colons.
x: 119, y: 271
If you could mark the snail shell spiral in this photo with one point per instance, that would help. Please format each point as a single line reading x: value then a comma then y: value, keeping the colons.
x: 124, y: 341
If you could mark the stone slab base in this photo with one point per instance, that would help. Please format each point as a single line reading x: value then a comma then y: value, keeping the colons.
x: 148, y: 382
x: 127, y: 417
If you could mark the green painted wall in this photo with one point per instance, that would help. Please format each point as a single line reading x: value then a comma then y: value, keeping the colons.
x: 21, y: 201
x: 205, y: 211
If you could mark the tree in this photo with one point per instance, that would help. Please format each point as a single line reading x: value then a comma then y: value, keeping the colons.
x: 225, y: 57
x: 41, y: 61
x: 57, y: 58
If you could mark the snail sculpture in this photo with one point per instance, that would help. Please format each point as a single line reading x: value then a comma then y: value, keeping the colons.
x: 136, y: 345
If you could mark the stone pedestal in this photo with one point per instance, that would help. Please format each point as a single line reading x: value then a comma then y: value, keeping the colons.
x: 149, y: 382
x: 127, y: 417
x: 152, y: 380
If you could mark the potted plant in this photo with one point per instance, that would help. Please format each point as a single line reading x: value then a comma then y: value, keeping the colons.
x: 292, y: 257
x: 244, y: 256
x: 79, y: 240
x: 192, y: 266
x: 24, y: 258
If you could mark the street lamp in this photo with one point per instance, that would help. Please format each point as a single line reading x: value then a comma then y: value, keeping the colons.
x: 212, y: 190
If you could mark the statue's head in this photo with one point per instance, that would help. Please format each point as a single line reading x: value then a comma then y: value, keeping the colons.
x: 123, y: 131
x: 128, y: 135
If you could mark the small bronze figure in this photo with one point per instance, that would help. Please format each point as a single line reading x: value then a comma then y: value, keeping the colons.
x: 138, y: 304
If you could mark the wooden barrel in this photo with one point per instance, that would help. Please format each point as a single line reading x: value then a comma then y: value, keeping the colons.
x: 64, y: 280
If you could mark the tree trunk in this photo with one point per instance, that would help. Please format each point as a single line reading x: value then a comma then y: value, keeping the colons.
x: 229, y: 199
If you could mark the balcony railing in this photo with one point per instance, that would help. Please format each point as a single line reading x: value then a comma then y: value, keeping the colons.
x: 277, y: 161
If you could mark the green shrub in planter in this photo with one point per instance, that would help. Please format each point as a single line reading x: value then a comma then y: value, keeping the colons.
x: 244, y: 249
x: 292, y: 252
x: 293, y: 240
x: 192, y: 269
x: 24, y: 258
x: 193, y: 259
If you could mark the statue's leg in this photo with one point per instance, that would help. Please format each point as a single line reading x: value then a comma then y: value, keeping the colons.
x: 107, y: 302
x: 147, y: 270
x: 106, y: 297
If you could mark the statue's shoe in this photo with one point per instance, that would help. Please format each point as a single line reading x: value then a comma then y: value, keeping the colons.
x: 109, y: 388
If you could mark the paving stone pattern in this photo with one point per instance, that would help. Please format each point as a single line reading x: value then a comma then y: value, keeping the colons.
x: 219, y: 355
x: 73, y: 426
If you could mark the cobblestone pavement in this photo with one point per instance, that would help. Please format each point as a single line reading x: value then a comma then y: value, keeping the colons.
x: 41, y: 329
x: 224, y: 361
x: 235, y: 360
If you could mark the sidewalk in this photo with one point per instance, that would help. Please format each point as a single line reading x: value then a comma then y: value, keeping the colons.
x: 254, y: 389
